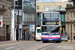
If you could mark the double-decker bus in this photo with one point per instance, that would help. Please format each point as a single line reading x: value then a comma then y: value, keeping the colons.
x: 50, y: 25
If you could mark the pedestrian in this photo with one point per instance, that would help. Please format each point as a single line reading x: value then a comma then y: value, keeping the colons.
x: 28, y: 36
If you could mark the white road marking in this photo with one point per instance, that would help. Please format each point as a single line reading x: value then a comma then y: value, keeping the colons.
x: 21, y: 45
x: 10, y: 47
x: 29, y: 44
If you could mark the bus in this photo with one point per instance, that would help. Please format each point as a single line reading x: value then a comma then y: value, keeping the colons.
x: 50, y: 25
x: 38, y: 33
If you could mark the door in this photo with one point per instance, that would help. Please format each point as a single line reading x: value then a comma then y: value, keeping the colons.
x: 7, y: 33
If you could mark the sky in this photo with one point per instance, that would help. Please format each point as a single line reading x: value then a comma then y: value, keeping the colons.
x: 49, y: 0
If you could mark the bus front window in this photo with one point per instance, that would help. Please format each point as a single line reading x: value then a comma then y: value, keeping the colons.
x: 50, y: 30
x: 38, y: 31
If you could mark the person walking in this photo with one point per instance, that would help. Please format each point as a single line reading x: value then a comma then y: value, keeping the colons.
x: 28, y: 36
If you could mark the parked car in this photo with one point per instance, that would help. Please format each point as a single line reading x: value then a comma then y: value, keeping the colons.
x: 64, y: 38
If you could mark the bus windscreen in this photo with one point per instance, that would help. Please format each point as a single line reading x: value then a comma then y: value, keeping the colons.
x: 50, y: 30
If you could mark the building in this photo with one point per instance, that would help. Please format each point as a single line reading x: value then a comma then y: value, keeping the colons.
x: 52, y: 6
x: 26, y: 18
x: 70, y: 21
x: 63, y: 0
x: 5, y: 20
x: 29, y: 17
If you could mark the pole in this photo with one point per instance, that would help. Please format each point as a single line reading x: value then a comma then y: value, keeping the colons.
x: 71, y: 33
x: 35, y: 28
x: 18, y: 20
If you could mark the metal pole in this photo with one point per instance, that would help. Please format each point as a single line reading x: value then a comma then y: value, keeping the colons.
x: 18, y: 20
x: 35, y: 22
x: 71, y: 33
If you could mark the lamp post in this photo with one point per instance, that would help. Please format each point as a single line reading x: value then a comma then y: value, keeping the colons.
x: 18, y: 21
x: 71, y: 33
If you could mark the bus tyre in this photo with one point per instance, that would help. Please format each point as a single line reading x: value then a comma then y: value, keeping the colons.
x: 44, y: 41
x: 58, y: 41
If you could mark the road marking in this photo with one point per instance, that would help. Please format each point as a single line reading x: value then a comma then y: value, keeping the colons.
x: 21, y: 45
x: 57, y: 47
x: 10, y: 47
x: 47, y: 46
x: 27, y: 46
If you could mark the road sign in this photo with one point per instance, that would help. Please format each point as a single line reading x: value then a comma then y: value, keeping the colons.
x: 1, y: 21
x: 32, y: 28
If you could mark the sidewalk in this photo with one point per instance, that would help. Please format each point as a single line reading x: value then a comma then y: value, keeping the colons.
x: 73, y: 42
x: 1, y: 42
x: 4, y: 42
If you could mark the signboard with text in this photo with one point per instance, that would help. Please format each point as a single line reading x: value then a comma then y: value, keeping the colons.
x: 1, y: 21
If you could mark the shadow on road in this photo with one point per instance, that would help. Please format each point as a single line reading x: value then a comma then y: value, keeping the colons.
x: 50, y: 42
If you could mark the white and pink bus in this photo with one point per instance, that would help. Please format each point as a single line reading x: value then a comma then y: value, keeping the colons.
x: 50, y: 25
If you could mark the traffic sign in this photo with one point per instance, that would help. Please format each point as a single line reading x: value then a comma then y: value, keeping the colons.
x: 32, y: 28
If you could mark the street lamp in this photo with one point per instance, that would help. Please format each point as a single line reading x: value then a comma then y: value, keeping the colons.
x: 18, y: 21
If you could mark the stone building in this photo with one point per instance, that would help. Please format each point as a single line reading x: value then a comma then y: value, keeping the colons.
x: 5, y: 13
x: 70, y: 21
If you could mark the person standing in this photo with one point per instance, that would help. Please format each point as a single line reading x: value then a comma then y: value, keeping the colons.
x: 28, y: 36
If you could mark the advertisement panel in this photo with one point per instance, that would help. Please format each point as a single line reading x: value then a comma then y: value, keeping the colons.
x: 1, y: 21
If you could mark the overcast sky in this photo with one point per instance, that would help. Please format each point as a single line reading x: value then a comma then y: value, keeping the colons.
x: 49, y: 0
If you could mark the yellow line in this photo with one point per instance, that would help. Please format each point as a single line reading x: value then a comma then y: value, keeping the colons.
x: 57, y: 47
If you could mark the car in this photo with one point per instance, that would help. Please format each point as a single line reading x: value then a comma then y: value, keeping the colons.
x: 64, y: 38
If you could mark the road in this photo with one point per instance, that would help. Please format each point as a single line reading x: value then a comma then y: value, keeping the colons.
x: 36, y: 45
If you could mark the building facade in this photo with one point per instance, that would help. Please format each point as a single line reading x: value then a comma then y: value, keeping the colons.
x: 70, y: 21
x: 26, y: 18
x: 5, y: 13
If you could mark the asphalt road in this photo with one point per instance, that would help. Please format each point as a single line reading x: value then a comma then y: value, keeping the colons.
x: 36, y: 45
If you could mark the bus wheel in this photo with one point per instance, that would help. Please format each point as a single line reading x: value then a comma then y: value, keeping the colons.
x: 58, y: 41
x: 45, y: 41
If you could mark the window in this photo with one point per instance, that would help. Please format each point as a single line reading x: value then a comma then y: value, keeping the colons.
x: 38, y: 31
x: 46, y: 16
x: 37, y: 7
x: 16, y: 2
x: 54, y: 16
x: 71, y: 15
x: 74, y: 28
x: 50, y: 29
x: 59, y: 7
x: 3, y: 29
x: 3, y: 7
x: 50, y: 16
x: 74, y: 15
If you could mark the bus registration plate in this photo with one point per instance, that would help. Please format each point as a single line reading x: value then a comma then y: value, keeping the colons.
x: 50, y: 39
